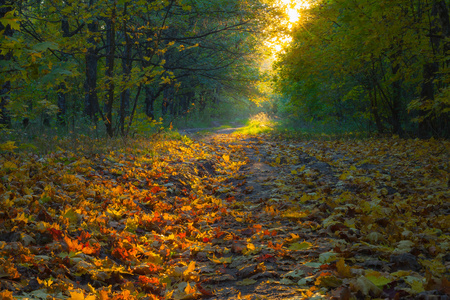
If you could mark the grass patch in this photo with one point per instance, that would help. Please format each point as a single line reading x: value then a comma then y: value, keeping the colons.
x: 223, y: 127
x: 260, y: 123
x: 293, y: 129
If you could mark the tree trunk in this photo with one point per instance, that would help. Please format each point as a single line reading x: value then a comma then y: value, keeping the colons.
x: 172, y: 111
x: 61, y: 115
x: 374, y: 110
x: 149, y: 101
x: 439, y: 12
x: 396, y: 104
x: 62, y: 90
x: 111, y: 40
x: 126, y: 68
x: 167, y: 99
x: 444, y: 18
x: 5, y: 118
x: 91, y: 106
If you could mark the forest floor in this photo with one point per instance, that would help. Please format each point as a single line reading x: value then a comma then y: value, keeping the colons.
x: 228, y: 216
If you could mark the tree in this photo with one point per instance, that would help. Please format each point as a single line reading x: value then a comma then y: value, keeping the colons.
x: 6, y: 29
x: 382, y: 47
x: 173, y: 50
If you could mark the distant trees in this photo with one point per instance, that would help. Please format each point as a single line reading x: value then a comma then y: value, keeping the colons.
x: 6, y: 14
x: 382, y: 64
x: 107, y: 60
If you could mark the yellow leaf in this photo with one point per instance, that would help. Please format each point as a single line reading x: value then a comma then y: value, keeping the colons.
x: 190, y: 268
x: 11, y: 20
x: 222, y: 260
x: 189, y: 289
x: 300, y: 246
x: 9, y: 165
x: 343, y: 270
x: 118, y: 190
x: 416, y: 283
x: 186, y: 208
x: 378, y: 279
x: 304, y: 198
x: 226, y: 158
x: 6, y: 295
x: 76, y: 295
x: 417, y: 286
x: 92, y: 289
x: 401, y: 273
x: 251, y: 247
x: 22, y: 218
x: 7, y: 203
x: 169, y: 294
x: 294, y: 172
x: 343, y: 176
x: 184, y: 291
x: 294, y: 237
x: 165, y: 80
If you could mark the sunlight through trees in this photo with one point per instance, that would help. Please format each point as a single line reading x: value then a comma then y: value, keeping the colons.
x: 368, y: 66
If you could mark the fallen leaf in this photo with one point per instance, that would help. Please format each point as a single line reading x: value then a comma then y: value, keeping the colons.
x: 300, y: 246
x: 365, y: 286
x: 221, y: 260
x: 246, y: 281
x: 342, y: 269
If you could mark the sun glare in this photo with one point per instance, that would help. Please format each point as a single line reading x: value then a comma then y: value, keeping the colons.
x: 292, y: 10
x: 293, y: 16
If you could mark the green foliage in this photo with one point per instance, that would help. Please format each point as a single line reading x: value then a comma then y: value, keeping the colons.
x: 180, y: 55
x: 142, y: 125
x: 257, y: 124
x: 363, y: 60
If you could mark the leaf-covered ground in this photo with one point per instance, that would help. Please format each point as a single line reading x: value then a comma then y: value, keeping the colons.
x: 228, y: 217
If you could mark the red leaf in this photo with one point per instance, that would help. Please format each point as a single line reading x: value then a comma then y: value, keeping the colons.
x: 266, y: 257
x: 203, y: 291
x: 56, y: 234
x: 155, y: 189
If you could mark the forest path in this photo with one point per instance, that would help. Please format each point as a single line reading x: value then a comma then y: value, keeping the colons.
x: 262, y: 221
x: 210, y: 130
x: 228, y: 216
x: 314, y: 219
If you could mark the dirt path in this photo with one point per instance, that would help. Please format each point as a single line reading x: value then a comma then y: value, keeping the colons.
x: 262, y: 217
x: 228, y: 216
x: 197, y: 131
x: 293, y: 229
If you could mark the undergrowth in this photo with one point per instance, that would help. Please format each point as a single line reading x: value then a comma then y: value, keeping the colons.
x: 260, y: 123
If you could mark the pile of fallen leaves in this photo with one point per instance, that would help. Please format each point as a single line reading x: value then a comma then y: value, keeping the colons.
x: 372, y: 216
x: 114, y: 225
x: 227, y: 216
